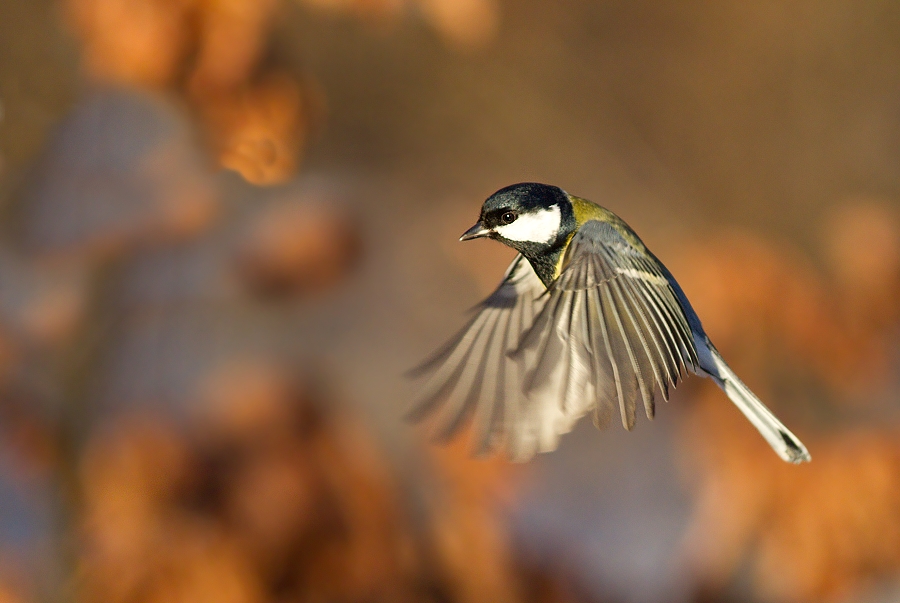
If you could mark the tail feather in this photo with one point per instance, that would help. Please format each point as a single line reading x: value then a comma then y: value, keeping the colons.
x: 779, y: 437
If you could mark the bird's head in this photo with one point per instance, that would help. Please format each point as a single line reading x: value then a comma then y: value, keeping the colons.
x: 529, y: 217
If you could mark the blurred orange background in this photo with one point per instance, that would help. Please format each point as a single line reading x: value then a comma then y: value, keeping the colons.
x: 229, y: 227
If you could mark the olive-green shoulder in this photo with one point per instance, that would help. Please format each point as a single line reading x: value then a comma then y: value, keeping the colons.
x: 585, y: 210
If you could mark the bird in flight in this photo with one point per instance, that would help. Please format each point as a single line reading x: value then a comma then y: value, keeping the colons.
x: 586, y: 320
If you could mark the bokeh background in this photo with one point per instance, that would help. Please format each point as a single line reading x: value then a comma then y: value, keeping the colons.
x: 229, y: 227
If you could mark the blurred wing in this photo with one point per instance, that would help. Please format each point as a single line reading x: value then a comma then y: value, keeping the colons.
x: 611, y: 332
x: 473, y: 373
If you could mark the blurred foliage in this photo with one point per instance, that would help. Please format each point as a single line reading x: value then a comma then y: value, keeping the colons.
x: 273, y: 499
x: 154, y: 412
x: 257, y: 488
x: 829, y: 530
x: 258, y: 119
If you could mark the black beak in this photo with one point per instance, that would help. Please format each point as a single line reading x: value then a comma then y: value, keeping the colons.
x: 476, y: 232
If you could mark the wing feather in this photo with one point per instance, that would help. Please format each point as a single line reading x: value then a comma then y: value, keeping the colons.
x: 471, y: 374
x: 641, y: 356
x: 637, y: 340
x: 447, y: 367
x: 610, y: 331
x: 663, y: 330
x: 649, y: 334
x: 467, y: 388
x: 602, y: 376
x: 613, y: 340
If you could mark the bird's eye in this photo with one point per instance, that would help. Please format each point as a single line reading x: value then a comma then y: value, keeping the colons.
x: 508, y: 217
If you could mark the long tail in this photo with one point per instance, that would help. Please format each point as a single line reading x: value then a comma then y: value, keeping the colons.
x: 779, y: 437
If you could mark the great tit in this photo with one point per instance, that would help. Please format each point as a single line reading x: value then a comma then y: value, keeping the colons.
x: 586, y: 318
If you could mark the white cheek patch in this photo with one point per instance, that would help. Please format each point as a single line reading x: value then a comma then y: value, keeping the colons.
x: 541, y: 226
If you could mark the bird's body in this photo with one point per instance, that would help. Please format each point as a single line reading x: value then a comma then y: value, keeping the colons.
x: 585, y: 319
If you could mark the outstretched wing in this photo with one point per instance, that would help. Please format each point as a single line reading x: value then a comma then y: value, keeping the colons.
x: 473, y: 374
x: 611, y: 332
